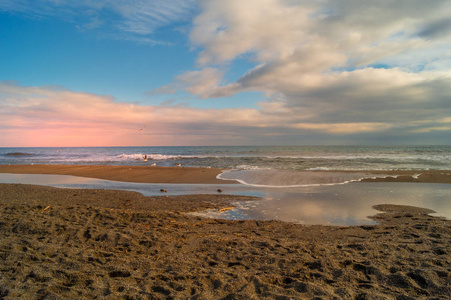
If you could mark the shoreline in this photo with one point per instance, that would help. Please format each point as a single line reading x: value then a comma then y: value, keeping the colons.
x: 72, y: 243
x: 194, y: 175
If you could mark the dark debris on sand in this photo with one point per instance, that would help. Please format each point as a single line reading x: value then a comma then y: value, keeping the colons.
x: 110, y: 245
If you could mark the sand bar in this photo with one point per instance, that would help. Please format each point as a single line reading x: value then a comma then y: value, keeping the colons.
x: 96, y: 244
x: 146, y: 174
x: 141, y: 174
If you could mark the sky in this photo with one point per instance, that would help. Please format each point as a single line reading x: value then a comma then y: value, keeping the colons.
x: 215, y: 72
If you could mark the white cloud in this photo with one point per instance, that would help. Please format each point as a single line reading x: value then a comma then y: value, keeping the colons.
x: 361, y: 31
x: 202, y: 82
x: 206, y: 83
x: 337, y: 66
x: 226, y: 29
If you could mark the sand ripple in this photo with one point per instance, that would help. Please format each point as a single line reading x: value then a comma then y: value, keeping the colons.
x: 59, y: 244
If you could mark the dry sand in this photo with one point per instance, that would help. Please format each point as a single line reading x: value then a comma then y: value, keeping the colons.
x: 97, y: 244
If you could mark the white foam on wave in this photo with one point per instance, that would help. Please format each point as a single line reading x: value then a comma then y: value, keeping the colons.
x: 130, y: 156
x: 321, y: 169
x: 248, y: 167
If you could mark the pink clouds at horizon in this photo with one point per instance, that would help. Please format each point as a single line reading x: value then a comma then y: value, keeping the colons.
x: 54, y: 116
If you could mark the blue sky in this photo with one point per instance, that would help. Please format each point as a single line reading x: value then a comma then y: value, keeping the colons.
x: 224, y: 72
x: 53, y: 51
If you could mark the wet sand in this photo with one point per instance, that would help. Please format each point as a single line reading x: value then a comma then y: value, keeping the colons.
x: 146, y: 174
x: 96, y: 244
x: 426, y: 176
x: 141, y: 174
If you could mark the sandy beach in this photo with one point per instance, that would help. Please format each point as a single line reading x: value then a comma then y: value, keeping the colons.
x: 96, y: 244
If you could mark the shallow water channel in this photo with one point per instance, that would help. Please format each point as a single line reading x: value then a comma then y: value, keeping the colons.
x: 342, y: 204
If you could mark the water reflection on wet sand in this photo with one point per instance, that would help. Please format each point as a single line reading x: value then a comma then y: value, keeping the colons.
x: 346, y: 204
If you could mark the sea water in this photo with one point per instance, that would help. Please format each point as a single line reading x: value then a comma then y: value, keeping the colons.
x: 244, y: 157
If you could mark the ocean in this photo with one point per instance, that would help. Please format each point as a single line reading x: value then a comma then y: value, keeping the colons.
x: 244, y: 157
